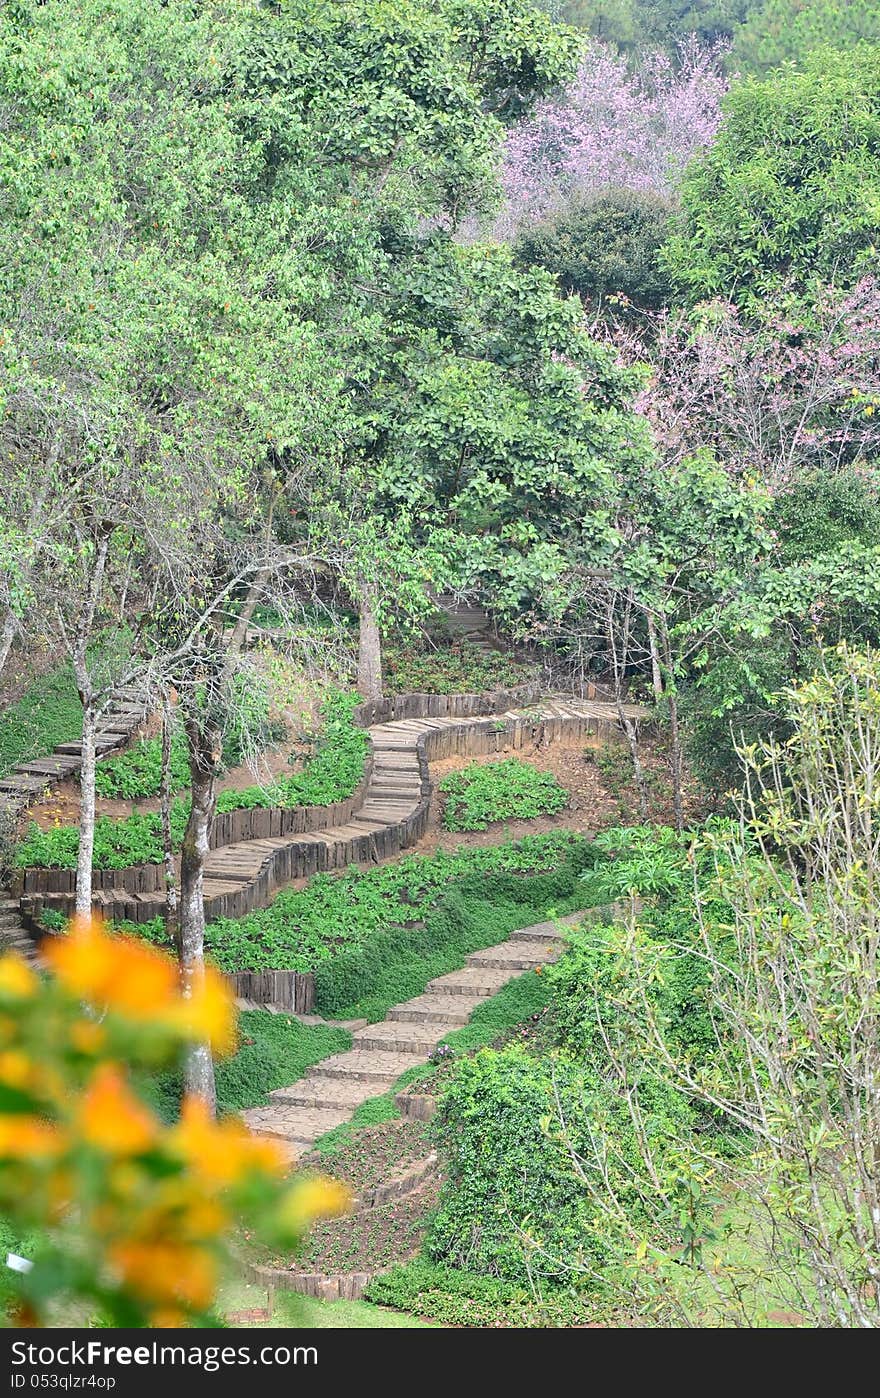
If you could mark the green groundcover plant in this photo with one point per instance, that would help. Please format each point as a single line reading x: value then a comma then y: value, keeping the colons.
x: 508, y: 790
x: 49, y: 712
x: 369, y: 934
x: 332, y: 774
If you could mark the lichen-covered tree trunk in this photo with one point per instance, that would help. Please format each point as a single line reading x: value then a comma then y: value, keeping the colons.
x: 369, y: 680
x: 203, y: 743
x: 7, y: 636
x: 86, y: 855
x: 172, y: 920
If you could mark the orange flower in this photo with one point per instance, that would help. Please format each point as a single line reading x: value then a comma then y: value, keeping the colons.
x: 222, y: 1151
x: 315, y: 1196
x: 111, y: 1117
x: 165, y: 1273
x: 87, y: 1037
x: 208, y: 1012
x: 123, y: 973
x: 17, y: 980
x: 29, y: 1137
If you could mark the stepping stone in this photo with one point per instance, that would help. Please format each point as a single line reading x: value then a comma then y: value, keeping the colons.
x: 513, y: 958
x: 471, y: 980
x: 436, y: 1009
x: 367, y: 1065
x: 403, y: 1037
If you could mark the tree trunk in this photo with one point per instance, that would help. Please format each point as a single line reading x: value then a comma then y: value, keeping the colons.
x: 204, y: 744
x: 7, y: 636
x: 243, y: 620
x: 172, y: 920
x: 369, y: 679
x: 85, y: 857
x: 656, y: 674
x: 675, y: 754
x: 618, y: 658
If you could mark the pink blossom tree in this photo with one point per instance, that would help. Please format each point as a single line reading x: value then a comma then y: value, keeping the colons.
x: 613, y: 128
x: 794, y: 392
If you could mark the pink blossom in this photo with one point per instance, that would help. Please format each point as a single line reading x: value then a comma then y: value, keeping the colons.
x: 614, y: 128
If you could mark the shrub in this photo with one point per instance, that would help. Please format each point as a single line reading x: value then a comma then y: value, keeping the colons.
x: 455, y: 1297
x: 512, y: 1204
x: 605, y: 247
x: 506, y: 790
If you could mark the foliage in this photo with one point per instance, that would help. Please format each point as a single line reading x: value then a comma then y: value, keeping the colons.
x: 130, y: 1217
x: 272, y: 1050
x: 332, y: 774
x: 786, y: 31
x: 137, y: 772
x: 787, y: 195
x: 614, y: 128
x: 396, y: 964
x: 482, y: 793
x: 511, y: 1205
x: 335, y: 913
x: 48, y: 713
x: 459, y: 667
x: 451, y: 1296
x: 605, y: 247
x: 773, y: 1043
x: 633, y: 23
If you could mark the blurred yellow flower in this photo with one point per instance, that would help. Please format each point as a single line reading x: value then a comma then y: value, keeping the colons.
x: 315, y: 1196
x: 17, y: 980
x: 112, y: 1118
x: 25, y: 1137
x: 222, y: 1151
x: 162, y: 1272
x: 208, y: 1014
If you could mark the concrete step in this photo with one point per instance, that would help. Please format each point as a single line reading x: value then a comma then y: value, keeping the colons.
x: 401, y: 1036
x: 366, y: 1065
x: 436, y: 1009
x: 299, y: 1124
x: 471, y: 980
x: 517, y: 957
x: 313, y: 1091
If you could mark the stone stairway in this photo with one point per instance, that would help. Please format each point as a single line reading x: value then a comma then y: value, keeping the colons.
x: 332, y: 1090
x: 13, y: 933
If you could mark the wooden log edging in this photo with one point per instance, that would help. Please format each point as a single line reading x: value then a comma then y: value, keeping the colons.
x: 293, y: 991
x: 324, y: 851
x: 346, y: 1286
x: 229, y: 828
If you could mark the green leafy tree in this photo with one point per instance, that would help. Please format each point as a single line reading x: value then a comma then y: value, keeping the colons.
x: 788, y: 195
x: 787, y: 31
x: 606, y: 248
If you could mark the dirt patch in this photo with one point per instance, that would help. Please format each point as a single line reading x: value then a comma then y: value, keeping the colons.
x: 599, y: 783
x: 371, y: 1239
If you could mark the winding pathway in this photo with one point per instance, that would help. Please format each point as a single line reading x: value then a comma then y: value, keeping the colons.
x: 333, y: 1089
